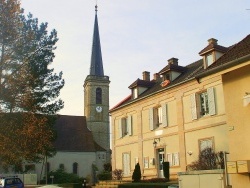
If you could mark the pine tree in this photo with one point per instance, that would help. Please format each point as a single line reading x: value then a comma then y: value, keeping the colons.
x: 29, y: 89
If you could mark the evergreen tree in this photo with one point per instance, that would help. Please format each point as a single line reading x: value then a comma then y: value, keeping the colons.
x: 29, y: 89
x: 137, y: 173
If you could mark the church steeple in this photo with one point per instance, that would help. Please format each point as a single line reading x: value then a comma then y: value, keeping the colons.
x: 96, y: 66
x: 96, y: 94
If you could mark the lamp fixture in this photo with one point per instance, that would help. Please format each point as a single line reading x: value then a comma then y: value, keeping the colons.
x: 189, y: 153
x: 155, y: 142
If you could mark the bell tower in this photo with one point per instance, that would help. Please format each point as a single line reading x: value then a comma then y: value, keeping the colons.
x: 96, y: 94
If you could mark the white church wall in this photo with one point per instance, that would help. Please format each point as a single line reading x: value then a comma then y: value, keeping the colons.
x: 83, y: 159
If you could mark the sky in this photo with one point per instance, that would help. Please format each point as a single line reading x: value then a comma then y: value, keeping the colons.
x: 136, y: 36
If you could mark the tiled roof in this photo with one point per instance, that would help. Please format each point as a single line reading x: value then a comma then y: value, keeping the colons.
x: 211, y: 47
x: 73, y: 135
x: 142, y: 83
x: 240, y: 49
x: 196, y: 69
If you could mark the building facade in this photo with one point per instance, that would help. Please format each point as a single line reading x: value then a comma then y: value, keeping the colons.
x: 178, y: 113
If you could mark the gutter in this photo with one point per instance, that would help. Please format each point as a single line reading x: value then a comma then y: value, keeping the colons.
x: 134, y: 101
x: 206, y: 73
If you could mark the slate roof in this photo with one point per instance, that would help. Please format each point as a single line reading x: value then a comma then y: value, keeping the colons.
x: 96, y: 66
x: 172, y: 67
x: 73, y: 135
x: 141, y: 83
x: 196, y: 70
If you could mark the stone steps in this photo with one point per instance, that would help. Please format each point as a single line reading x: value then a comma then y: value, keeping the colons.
x: 109, y: 184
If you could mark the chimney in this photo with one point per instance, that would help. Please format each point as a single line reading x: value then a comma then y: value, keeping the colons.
x: 212, y: 41
x: 146, y: 75
x: 173, y: 61
x: 157, y: 77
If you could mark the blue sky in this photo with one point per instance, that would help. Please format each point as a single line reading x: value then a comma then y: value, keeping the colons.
x: 136, y: 36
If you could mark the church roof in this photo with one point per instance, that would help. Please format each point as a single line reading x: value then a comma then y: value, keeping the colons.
x: 73, y: 135
x: 96, y: 66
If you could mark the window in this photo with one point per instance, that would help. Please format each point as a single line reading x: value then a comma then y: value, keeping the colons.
x: 173, y: 159
x: 169, y: 158
x: 126, y: 164
x: 204, y: 108
x: 158, y: 117
x: 61, y: 166
x: 75, y: 168
x: 205, y: 143
x: 176, y: 159
x: 203, y: 103
x: 209, y: 59
x: 135, y: 93
x: 125, y: 126
x: 146, y: 162
x: 98, y: 95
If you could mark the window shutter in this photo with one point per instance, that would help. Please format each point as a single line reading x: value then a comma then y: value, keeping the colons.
x: 211, y: 101
x: 193, y: 106
x: 120, y: 127
x: 164, y: 115
x: 129, y: 125
x: 151, y: 119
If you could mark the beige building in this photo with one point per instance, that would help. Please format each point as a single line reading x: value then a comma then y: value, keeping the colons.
x: 182, y: 110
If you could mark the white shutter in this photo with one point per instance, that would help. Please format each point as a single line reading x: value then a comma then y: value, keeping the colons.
x: 151, y: 119
x: 126, y: 164
x: 164, y: 115
x: 120, y: 127
x: 211, y: 101
x: 193, y: 106
x: 129, y: 125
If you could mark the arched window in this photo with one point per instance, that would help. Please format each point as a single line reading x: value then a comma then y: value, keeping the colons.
x: 75, y: 168
x: 61, y: 166
x: 98, y: 93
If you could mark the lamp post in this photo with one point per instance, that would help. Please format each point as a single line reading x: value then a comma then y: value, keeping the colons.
x: 225, y: 165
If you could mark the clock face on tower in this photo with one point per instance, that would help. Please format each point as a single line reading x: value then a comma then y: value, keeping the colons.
x: 98, y: 109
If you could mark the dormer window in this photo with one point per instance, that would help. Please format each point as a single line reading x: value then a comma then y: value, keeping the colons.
x: 172, y: 70
x: 166, y: 76
x: 212, y: 52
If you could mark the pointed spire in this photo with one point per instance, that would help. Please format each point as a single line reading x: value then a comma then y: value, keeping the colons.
x: 96, y: 67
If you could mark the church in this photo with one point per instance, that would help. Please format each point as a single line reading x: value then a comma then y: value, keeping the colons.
x: 84, y: 141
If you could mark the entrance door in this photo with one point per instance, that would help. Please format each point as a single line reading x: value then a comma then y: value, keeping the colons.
x: 161, y: 157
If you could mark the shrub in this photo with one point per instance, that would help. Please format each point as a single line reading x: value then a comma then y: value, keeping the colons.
x: 107, y: 167
x: 155, y: 180
x: 208, y: 160
x: 60, y: 176
x: 137, y: 173
x: 117, y: 174
x: 105, y: 176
